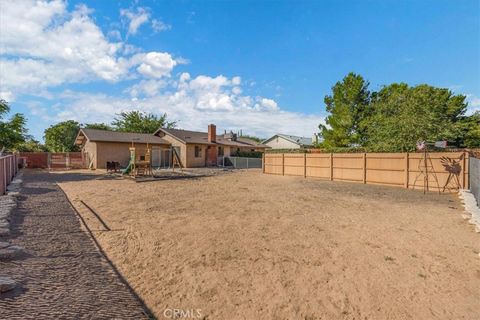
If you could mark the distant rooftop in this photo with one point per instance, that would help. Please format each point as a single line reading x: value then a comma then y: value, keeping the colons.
x: 116, y: 136
x: 303, y: 141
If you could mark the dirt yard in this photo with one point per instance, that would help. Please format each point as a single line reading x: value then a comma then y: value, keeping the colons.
x: 250, y: 246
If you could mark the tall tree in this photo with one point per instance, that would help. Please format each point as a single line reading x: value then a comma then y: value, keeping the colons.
x: 347, y: 106
x: 12, y: 131
x: 137, y: 121
x: 61, y: 136
x: 402, y: 115
x: 469, y: 127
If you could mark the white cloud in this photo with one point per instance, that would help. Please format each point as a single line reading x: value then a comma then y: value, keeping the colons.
x: 473, y: 103
x: 159, y: 26
x: 156, y: 64
x: 135, y: 19
x: 42, y: 45
x: 194, y: 102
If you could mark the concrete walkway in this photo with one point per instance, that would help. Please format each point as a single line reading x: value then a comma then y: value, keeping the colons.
x: 62, y: 275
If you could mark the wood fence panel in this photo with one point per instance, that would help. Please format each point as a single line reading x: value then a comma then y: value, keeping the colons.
x: 318, y: 165
x: 8, y: 170
x: 385, y: 168
x: 348, y: 167
x: 294, y: 164
x: 273, y: 163
x: 395, y: 169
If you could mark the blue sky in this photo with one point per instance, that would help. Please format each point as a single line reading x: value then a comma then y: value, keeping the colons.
x: 263, y: 67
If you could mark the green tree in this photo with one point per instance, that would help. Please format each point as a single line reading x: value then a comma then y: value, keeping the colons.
x: 401, y: 115
x: 30, y: 145
x: 348, y: 107
x: 254, y: 138
x: 137, y: 121
x: 61, y: 136
x: 99, y: 126
x: 12, y: 131
x: 469, y: 127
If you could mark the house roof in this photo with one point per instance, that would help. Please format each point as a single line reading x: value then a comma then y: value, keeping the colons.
x: 196, y: 137
x: 301, y: 141
x: 115, y: 136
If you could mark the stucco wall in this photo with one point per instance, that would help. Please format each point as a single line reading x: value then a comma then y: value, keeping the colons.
x: 175, y: 143
x: 118, y: 151
x: 192, y: 161
x: 282, y: 143
x: 90, y: 152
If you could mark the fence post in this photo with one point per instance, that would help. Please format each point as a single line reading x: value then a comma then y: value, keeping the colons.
x: 247, y: 163
x: 406, y: 170
x: 4, y: 171
x: 283, y: 164
x: 263, y: 162
x: 304, y: 165
x: 331, y: 166
x: 67, y: 160
x: 463, y: 170
x: 364, y: 167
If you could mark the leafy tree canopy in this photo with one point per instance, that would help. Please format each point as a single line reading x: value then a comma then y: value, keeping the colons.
x: 12, y: 131
x: 347, y: 106
x: 99, y: 126
x: 254, y: 138
x: 402, y: 115
x: 396, y: 117
x: 137, y: 121
x: 61, y: 136
x: 30, y: 145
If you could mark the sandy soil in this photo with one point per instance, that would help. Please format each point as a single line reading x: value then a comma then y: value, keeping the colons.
x: 251, y: 246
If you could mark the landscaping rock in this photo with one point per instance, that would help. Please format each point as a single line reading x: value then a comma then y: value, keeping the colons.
x: 10, y: 252
x: 4, y: 244
x: 4, y: 224
x: 7, y: 284
x: 4, y: 232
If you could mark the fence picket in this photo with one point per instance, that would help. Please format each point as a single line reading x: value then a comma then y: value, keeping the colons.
x: 397, y: 169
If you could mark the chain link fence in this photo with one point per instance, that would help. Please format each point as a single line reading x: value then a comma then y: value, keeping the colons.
x: 240, y: 162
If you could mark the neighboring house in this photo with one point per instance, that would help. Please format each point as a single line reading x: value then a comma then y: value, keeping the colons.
x: 285, y: 141
x: 200, y: 149
x: 196, y: 149
x: 100, y: 146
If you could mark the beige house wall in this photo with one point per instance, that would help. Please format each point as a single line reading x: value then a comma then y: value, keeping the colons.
x: 90, y: 152
x: 282, y: 143
x: 195, y: 162
x: 175, y: 143
x: 118, y: 151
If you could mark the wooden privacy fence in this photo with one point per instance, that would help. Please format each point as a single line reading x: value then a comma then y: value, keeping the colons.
x: 54, y: 160
x: 447, y: 171
x: 8, y: 170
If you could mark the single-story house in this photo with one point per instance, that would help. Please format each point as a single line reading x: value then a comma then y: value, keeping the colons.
x: 285, y: 141
x: 200, y: 149
x: 195, y: 149
x: 100, y: 146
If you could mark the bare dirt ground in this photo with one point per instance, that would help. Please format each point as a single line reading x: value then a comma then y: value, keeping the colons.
x: 250, y: 246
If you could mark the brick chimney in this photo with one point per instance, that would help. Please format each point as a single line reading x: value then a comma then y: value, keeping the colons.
x: 212, y: 133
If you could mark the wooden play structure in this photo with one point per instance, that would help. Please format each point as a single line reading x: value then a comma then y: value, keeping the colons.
x: 141, y: 165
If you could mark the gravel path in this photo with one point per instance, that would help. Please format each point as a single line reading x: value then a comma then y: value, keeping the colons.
x: 62, y: 275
